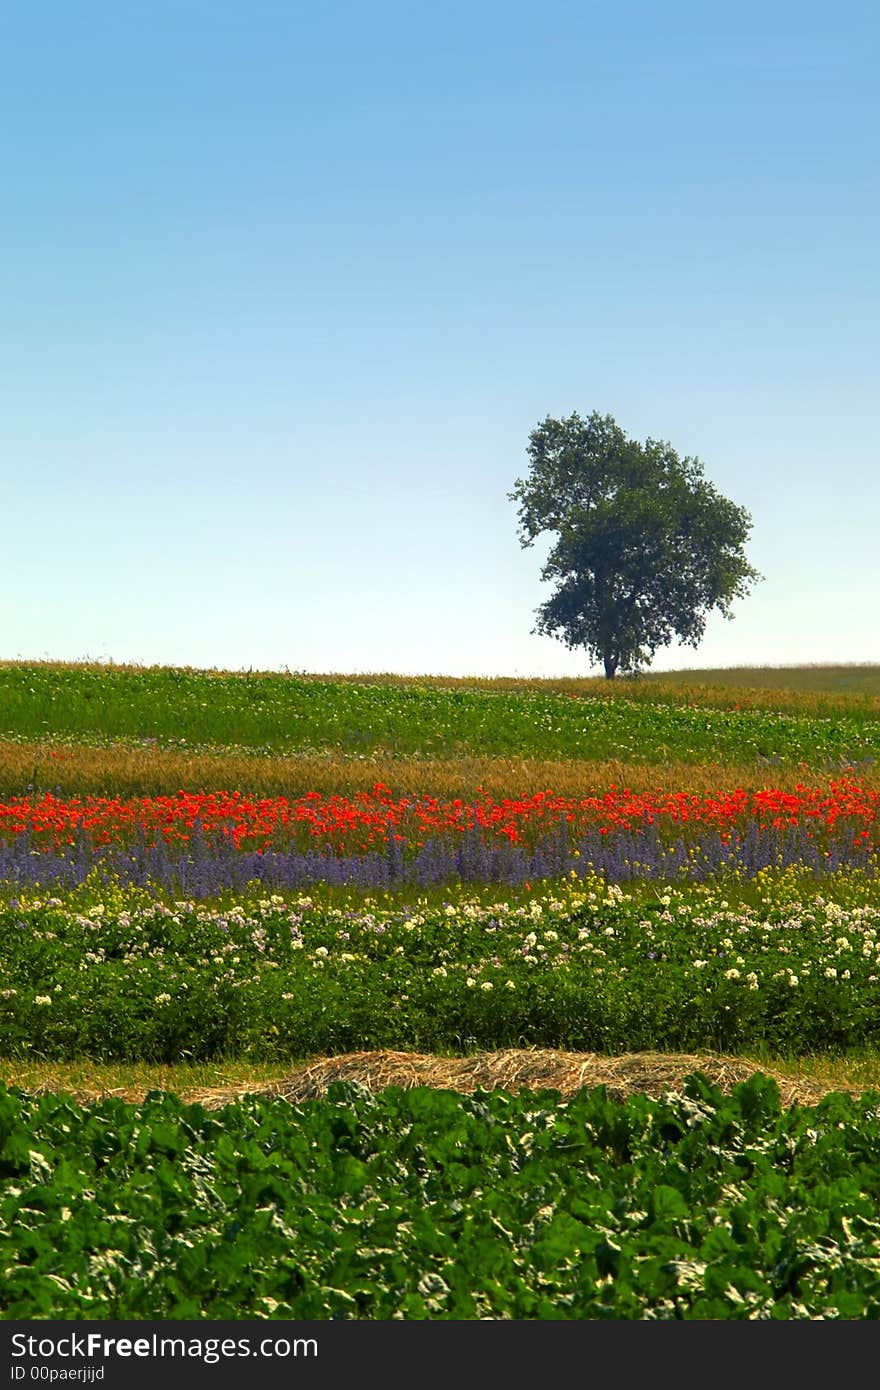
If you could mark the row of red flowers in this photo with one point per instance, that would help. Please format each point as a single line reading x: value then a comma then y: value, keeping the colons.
x: 369, y: 819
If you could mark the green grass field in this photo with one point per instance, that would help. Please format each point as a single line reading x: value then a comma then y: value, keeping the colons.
x: 637, y: 724
x: 134, y: 996
x: 819, y: 679
x: 116, y: 730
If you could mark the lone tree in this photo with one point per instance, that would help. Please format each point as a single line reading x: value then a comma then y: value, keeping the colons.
x: 645, y: 545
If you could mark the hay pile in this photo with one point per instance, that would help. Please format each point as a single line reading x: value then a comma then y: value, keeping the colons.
x: 653, y: 1073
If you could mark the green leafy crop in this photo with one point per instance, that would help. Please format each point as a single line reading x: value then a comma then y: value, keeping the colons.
x: 295, y: 714
x: 578, y: 967
x: 428, y: 1204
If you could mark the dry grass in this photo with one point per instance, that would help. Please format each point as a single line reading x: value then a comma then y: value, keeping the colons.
x: 842, y: 680
x: 75, y: 770
x: 652, y: 1073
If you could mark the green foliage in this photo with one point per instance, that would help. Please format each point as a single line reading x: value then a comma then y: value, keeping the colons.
x: 645, y: 545
x: 578, y: 966
x: 425, y: 1204
x: 294, y: 714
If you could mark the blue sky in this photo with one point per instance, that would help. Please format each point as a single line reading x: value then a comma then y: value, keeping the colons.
x: 285, y: 287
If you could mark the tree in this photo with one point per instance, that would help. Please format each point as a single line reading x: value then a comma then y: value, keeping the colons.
x: 645, y: 547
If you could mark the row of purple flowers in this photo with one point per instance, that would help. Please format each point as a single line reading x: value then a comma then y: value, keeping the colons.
x: 202, y: 870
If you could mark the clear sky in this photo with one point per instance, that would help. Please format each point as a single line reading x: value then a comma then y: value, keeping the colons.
x: 285, y: 286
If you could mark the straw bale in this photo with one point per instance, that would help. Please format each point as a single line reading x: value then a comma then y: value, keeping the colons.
x: 653, y: 1073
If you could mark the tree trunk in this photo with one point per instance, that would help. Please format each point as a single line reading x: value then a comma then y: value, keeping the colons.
x: 611, y: 663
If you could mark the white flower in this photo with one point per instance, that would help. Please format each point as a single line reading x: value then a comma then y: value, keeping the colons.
x: 700, y: 964
x: 487, y: 984
x: 43, y: 999
x: 470, y: 982
x: 163, y: 998
x: 731, y: 974
x: 510, y: 985
x: 830, y: 972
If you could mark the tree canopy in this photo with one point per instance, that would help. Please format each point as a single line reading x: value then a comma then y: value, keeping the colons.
x: 646, y: 547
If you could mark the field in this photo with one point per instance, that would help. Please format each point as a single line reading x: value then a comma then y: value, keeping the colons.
x: 373, y: 996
